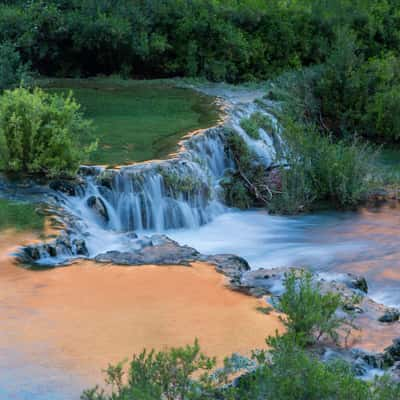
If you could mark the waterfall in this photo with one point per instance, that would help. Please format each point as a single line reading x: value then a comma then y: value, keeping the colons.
x: 184, y: 191
x: 181, y: 192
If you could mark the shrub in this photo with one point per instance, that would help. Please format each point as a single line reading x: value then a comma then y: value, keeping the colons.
x: 41, y: 132
x: 12, y: 71
x: 159, y: 375
x: 289, y: 372
x: 309, y: 314
x: 316, y: 167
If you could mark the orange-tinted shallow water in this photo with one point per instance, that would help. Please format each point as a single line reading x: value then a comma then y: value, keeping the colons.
x: 78, y: 318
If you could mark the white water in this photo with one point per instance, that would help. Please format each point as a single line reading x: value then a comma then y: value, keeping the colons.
x: 140, y: 199
x: 331, y: 242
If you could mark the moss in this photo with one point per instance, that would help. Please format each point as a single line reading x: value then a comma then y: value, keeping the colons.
x: 250, y: 126
x: 177, y: 183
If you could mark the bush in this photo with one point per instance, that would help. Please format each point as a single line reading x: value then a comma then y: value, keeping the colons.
x: 291, y: 373
x: 316, y: 167
x: 163, y: 375
x: 309, y: 314
x: 12, y: 71
x: 41, y: 132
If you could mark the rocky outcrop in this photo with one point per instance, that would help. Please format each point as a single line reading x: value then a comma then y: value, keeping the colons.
x: 158, y: 250
x: 56, y: 252
x: 228, y: 264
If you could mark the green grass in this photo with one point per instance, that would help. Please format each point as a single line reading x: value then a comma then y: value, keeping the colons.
x: 19, y: 216
x: 137, y: 120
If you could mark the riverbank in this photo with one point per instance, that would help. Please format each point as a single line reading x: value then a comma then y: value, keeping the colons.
x: 82, y: 317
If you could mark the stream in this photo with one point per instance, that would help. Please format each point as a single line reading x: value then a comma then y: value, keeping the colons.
x: 364, y: 242
x: 181, y: 198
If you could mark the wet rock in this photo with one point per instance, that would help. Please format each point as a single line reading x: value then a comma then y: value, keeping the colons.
x: 80, y: 247
x: 168, y: 252
x: 67, y: 187
x: 394, y: 350
x: 29, y: 254
x: 261, y: 282
x: 391, y: 315
x: 86, y: 170
x: 158, y: 240
x: 228, y: 264
x: 357, y: 282
x: 98, y: 206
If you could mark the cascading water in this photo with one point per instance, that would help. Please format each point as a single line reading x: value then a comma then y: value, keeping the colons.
x: 181, y: 192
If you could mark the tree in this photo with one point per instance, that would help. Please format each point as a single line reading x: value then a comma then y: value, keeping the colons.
x: 12, y: 71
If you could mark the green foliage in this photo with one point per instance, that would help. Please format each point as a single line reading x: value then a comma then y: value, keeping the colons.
x: 289, y: 372
x: 309, y: 313
x: 160, y: 375
x: 215, y: 39
x: 286, y: 372
x: 317, y: 168
x: 256, y: 121
x: 178, y: 184
x: 348, y: 95
x: 244, y: 187
x: 40, y: 132
x: 250, y: 127
x: 12, y: 71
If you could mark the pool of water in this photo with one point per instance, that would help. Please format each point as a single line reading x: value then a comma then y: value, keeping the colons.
x: 364, y: 242
x: 137, y: 120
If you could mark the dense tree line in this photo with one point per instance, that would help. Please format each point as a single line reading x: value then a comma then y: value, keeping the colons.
x: 232, y: 40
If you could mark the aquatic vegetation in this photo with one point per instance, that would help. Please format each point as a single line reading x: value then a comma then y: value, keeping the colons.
x: 20, y: 216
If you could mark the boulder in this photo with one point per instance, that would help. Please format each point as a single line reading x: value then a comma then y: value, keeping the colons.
x: 80, y: 248
x: 98, y: 206
x: 167, y: 252
x: 228, y: 264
